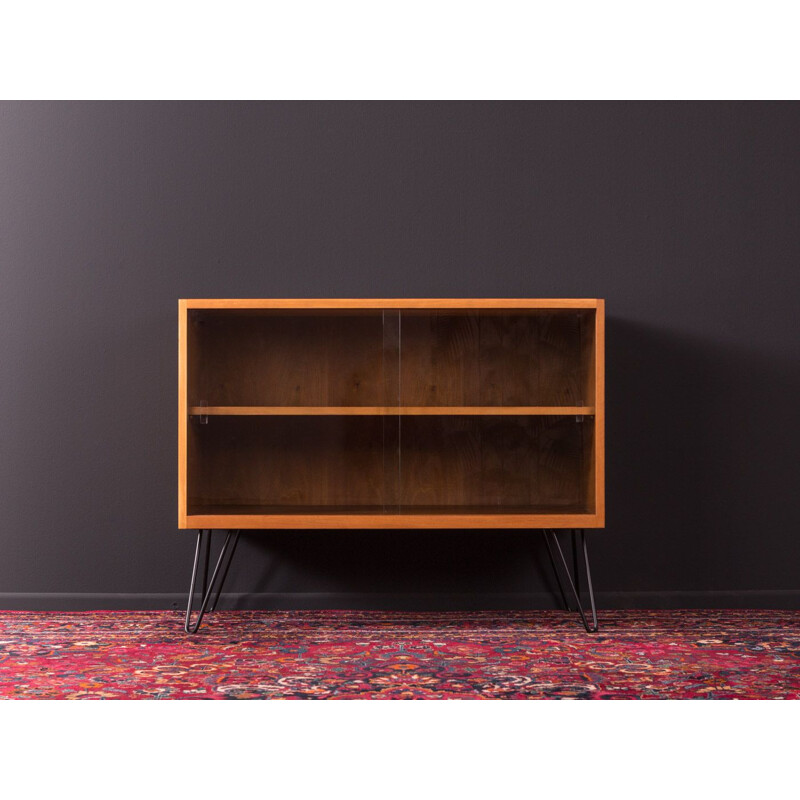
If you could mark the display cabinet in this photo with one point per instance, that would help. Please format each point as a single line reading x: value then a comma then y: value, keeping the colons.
x: 386, y: 413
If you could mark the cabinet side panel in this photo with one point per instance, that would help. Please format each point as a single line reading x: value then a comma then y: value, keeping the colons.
x: 182, y: 411
x: 588, y: 359
x: 600, y: 413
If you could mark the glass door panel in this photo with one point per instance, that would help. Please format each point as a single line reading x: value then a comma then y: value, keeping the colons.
x: 496, y: 464
x: 496, y: 358
x: 303, y: 358
x: 293, y: 411
x: 498, y: 415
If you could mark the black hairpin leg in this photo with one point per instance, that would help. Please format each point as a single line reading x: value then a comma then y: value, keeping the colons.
x: 204, y: 543
x: 225, y: 571
x: 551, y: 539
x: 555, y: 570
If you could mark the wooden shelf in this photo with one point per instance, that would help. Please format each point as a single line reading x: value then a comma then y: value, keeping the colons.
x: 372, y: 411
x: 376, y: 517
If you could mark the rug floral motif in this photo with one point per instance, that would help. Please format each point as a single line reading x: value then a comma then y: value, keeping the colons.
x: 399, y: 655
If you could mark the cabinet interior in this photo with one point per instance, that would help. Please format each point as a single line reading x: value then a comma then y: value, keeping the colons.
x: 387, y: 411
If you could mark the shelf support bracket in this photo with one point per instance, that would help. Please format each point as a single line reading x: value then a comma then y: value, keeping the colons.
x: 553, y: 547
x: 204, y: 537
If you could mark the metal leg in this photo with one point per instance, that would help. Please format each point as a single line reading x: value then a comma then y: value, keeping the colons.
x: 206, y: 561
x: 225, y: 572
x: 208, y: 590
x: 572, y: 584
x: 589, y: 580
x: 555, y: 571
x: 575, y: 569
x: 200, y: 542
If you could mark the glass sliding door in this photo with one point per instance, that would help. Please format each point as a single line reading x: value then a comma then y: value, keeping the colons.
x: 497, y: 411
x: 293, y: 411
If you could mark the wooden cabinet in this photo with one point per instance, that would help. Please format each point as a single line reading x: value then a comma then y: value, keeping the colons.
x: 391, y: 414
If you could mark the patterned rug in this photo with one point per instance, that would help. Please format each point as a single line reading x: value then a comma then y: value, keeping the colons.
x: 373, y: 654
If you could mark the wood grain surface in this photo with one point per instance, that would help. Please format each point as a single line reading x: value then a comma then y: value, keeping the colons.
x: 340, y: 411
x: 402, y: 413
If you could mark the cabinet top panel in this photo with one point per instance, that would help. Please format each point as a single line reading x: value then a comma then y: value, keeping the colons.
x: 431, y: 303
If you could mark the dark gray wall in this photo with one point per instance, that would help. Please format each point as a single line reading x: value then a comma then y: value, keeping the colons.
x: 683, y: 216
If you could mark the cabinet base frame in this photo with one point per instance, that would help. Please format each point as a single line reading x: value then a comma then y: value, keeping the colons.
x: 553, y: 546
x: 232, y: 539
x: 204, y: 544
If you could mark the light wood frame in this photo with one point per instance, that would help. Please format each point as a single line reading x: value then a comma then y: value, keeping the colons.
x: 596, y: 410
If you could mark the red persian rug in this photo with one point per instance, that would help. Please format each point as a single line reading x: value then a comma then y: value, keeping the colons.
x: 375, y: 654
